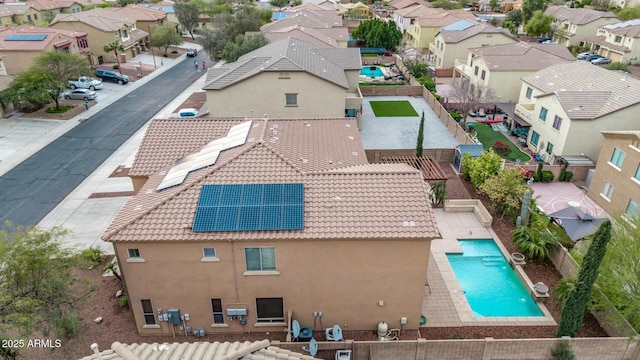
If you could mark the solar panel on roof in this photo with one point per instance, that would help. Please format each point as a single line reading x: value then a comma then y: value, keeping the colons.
x: 245, y: 207
x: 26, y: 37
x: 459, y: 25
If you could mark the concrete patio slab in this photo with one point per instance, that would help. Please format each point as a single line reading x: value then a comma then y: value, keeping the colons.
x: 555, y: 196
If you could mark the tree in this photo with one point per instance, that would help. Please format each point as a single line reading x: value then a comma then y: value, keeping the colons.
x: 601, y: 5
x: 241, y: 45
x: 573, y: 309
x: 514, y: 17
x: 215, y: 38
x: 38, y: 289
x: 420, y: 137
x: 165, y: 36
x: 506, y: 190
x: 378, y: 33
x: 618, y: 66
x: 444, y: 4
x: 115, y: 47
x: 529, y: 7
x: 246, y: 18
x: 539, y: 24
x: 278, y: 3
x: 469, y: 96
x: 187, y: 14
x: 493, y: 4
x: 123, y: 3
x: 483, y: 167
x: 630, y: 13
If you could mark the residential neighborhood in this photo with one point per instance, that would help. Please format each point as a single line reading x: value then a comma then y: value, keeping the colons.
x: 319, y: 180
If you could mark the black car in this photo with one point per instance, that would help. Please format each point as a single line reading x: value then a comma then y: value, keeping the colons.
x: 192, y: 52
x: 108, y: 75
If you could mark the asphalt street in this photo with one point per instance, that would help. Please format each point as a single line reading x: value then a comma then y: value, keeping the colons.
x: 33, y: 188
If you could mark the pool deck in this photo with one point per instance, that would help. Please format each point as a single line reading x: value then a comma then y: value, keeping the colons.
x: 444, y: 303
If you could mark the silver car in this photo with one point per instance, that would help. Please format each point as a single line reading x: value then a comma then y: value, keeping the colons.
x: 601, y: 61
x: 80, y: 94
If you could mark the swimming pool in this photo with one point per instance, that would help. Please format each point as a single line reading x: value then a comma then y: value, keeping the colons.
x: 371, y: 71
x: 490, y: 285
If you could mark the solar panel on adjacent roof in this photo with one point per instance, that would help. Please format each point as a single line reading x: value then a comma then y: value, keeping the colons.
x: 207, y: 156
x: 459, y: 25
x: 279, y: 15
x: 26, y: 37
x: 245, y: 207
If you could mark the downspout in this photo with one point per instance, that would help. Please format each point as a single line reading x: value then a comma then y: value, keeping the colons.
x: 235, y: 270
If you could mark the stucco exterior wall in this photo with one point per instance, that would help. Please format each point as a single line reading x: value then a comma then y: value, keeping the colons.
x: 506, y: 84
x: 265, y: 94
x: 625, y: 185
x: 355, y: 284
x: 453, y: 51
x: 545, y: 128
x: 97, y: 38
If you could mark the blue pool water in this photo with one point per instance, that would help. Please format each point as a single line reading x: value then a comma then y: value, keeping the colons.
x: 371, y: 71
x: 490, y: 285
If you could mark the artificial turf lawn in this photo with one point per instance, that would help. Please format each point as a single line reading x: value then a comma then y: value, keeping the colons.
x: 393, y: 108
x: 488, y: 136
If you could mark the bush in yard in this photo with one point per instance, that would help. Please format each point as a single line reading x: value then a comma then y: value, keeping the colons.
x: 483, y: 167
x: 456, y: 116
x: 547, y: 176
x: 501, y: 148
x: 532, y: 242
x: 505, y: 190
x: 562, y: 351
x: 427, y: 82
x: 563, y: 288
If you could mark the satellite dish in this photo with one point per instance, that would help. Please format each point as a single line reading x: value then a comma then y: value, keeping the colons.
x: 313, y: 347
x: 296, y: 329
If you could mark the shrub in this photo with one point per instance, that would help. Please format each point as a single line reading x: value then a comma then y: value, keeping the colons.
x: 438, y: 192
x: 501, y: 148
x: 427, y: 82
x: 67, y: 326
x: 563, y: 288
x: 568, y: 175
x: 59, y: 110
x: 532, y: 242
x: 123, y: 301
x: 547, y: 176
x: 456, y: 116
x: 505, y: 190
x: 562, y: 351
x: 436, y: 96
x: 92, y: 255
x: 483, y: 167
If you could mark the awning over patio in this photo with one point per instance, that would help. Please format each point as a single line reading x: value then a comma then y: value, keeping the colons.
x: 577, y: 160
x: 576, y: 223
x: 431, y: 170
x: 520, y: 121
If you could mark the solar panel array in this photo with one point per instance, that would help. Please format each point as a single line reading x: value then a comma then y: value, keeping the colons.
x: 244, y: 207
x: 26, y: 37
x: 459, y: 25
x: 207, y: 156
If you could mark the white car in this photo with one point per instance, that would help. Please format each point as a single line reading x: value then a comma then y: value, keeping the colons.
x: 188, y: 113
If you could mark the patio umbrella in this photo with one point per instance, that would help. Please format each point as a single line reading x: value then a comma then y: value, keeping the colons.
x: 576, y: 223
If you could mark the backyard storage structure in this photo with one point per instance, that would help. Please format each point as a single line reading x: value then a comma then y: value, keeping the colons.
x: 474, y: 150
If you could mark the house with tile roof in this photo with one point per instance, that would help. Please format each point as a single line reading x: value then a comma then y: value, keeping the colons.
x: 501, y: 67
x: 247, y: 350
x: 20, y: 45
x: 18, y: 13
x: 103, y: 27
x: 419, y: 24
x: 287, y: 78
x: 316, y: 228
x: 452, y: 41
x: 401, y: 4
x: 49, y: 8
x: 615, y: 183
x: 619, y: 42
x: 306, y: 18
x: 567, y: 110
x: 145, y: 17
x: 571, y: 26
x: 337, y: 37
x: 624, y: 3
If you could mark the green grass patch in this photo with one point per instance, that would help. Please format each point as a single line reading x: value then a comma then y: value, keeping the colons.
x: 369, y: 55
x: 362, y: 84
x: 488, y: 136
x: 59, y: 110
x: 393, y: 108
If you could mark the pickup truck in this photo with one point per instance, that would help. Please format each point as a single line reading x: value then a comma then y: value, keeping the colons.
x: 85, y: 82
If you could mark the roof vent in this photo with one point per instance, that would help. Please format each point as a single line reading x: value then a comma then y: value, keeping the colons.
x: 354, y: 153
x: 350, y: 137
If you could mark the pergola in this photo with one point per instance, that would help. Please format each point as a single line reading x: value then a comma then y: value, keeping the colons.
x: 431, y: 170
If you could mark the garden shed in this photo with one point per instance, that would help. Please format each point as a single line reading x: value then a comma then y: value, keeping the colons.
x: 474, y: 150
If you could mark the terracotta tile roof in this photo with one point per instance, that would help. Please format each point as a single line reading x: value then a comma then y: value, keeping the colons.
x: 601, y: 93
x: 455, y: 36
x: 288, y: 55
x: 602, y: 41
x: 257, y: 350
x: 629, y: 28
x: 310, y: 35
x: 98, y: 18
x: 51, y: 4
x: 522, y: 56
x: 344, y: 196
x: 52, y: 37
x: 139, y: 13
x: 578, y: 16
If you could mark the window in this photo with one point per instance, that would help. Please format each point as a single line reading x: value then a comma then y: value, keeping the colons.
x: 475, y: 72
x: 637, y: 175
x: 617, y: 158
x: 607, y: 191
x: 291, y: 99
x: 566, y: 26
x: 483, y: 74
x: 35, y: 16
x: 216, y: 307
x: 134, y: 253
x: 618, y: 39
x: 29, y: 18
x: 632, y: 210
x: 412, y: 21
x: 543, y: 114
x: 270, y: 309
x: 209, y: 252
x: 534, y: 138
x: 260, y: 258
x: 529, y: 93
x: 147, y: 311
x: 557, y: 122
x: 549, y: 148
x: 124, y: 34
x: 284, y: 75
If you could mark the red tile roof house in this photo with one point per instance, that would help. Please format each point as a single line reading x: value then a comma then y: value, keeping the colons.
x: 146, y: 18
x: 301, y: 222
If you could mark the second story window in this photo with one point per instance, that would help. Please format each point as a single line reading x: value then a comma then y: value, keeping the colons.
x: 475, y: 72
x: 484, y: 73
x: 125, y: 34
x: 557, y: 122
x: 618, y: 39
x: 617, y: 158
x: 543, y: 114
x: 260, y: 258
x: 529, y: 93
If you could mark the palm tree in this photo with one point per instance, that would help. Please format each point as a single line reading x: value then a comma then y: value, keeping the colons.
x: 115, y: 47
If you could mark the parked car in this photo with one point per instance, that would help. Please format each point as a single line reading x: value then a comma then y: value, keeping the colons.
x: 85, y: 82
x: 601, y: 61
x: 108, y: 75
x: 584, y: 56
x: 543, y: 39
x: 192, y: 52
x: 80, y: 94
x: 188, y: 113
x: 593, y: 57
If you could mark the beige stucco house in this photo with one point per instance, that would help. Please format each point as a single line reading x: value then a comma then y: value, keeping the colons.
x: 104, y: 27
x: 624, y: 3
x: 573, y: 26
x: 146, y: 18
x: 452, y: 41
x: 305, y: 18
x: 18, y: 13
x: 567, y: 110
x: 312, y: 222
x: 337, y: 37
x: 287, y: 78
x: 619, y: 42
x: 20, y: 45
x: 49, y: 8
x: 501, y: 67
x: 615, y: 185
